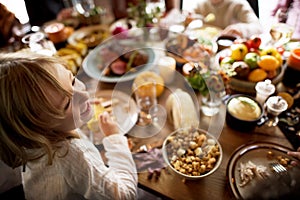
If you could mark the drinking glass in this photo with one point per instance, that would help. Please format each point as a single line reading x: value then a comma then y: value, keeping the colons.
x: 83, y: 7
x: 38, y: 43
x: 211, y: 102
x: 275, y: 106
x: 145, y: 96
x: 280, y: 32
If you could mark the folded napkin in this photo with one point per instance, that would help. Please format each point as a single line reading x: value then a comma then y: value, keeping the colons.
x: 151, y: 160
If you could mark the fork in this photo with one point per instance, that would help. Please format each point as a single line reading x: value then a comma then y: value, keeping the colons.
x: 278, y: 168
x: 282, y: 171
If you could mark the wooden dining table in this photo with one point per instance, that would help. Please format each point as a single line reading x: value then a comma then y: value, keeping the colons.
x: 171, y: 186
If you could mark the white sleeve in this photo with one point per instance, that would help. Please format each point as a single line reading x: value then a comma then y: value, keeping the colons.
x: 249, y: 23
x: 89, y: 176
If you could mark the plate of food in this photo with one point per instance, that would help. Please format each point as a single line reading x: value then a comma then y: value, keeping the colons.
x: 119, y: 105
x: 206, y: 31
x: 251, y: 164
x: 90, y: 35
x: 116, y: 61
x: 184, y: 49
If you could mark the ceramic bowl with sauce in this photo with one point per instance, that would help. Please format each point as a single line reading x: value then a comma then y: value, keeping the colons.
x: 225, y: 41
x: 244, y: 113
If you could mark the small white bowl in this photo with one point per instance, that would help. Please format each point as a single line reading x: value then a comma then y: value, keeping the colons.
x: 181, y: 146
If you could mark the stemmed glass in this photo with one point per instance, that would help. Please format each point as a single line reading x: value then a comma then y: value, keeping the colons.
x: 83, y: 7
x: 281, y: 32
x: 145, y: 97
x: 275, y: 106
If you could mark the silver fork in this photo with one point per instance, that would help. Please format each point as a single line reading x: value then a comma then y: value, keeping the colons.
x: 281, y: 171
x: 278, y: 168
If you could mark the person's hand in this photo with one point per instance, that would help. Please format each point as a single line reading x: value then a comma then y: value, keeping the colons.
x: 64, y: 14
x: 295, y: 154
x: 232, y: 30
x: 107, y: 125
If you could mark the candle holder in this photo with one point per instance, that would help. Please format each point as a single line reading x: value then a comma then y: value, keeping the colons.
x: 275, y: 106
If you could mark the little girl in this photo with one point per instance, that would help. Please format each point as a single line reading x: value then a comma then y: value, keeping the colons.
x: 42, y: 104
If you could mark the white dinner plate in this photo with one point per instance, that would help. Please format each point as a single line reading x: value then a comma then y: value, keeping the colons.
x: 93, y: 59
x: 125, y: 111
x: 85, y: 31
x: 257, y: 153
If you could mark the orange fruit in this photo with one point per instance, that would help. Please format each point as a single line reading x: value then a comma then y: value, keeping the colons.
x: 268, y: 62
x: 145, y: 79
x: 257, y: 75
x: 286, y: 96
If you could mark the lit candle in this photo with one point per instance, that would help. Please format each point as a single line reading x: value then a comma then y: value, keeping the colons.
x: 167, y: 67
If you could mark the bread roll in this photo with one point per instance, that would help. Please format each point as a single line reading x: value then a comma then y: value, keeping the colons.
x: 181, y: 110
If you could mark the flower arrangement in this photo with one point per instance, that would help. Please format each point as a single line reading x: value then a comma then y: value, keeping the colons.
x: 143, y: 18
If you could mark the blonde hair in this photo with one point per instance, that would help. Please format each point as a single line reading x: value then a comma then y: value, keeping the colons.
x: 23, y: 98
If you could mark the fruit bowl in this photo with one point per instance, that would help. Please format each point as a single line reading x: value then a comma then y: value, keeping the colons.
x: 243, y: 85
x: 192, y: 153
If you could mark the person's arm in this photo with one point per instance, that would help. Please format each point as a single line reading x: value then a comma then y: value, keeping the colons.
x: 295, y: 154
x: 281, y: 4
x: 7, y: 22
x: 87, y: 174
x: 247, y: 22
x: 170, y: 4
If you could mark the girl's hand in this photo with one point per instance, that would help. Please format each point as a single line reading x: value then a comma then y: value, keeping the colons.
x: 107, y: 125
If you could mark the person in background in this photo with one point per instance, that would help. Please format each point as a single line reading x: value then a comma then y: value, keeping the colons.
x: 292, y: 10
x: 7, y: 22
x: 235, y: 17
x: 40, y: 12
x: 42, y: 105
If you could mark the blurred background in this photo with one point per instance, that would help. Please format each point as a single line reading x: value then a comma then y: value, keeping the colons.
x: 189, y: 5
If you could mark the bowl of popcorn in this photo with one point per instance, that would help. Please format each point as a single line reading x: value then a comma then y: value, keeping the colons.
x: 192, y: 153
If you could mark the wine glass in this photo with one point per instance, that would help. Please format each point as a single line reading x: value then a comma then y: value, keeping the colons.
x: 83, y: 7
x: 281, y: 32
x: 275, y: 106
x: 146, y: 100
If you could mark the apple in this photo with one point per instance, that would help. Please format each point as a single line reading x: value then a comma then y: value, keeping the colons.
x: 251, y: 59
x: 238, y: 51
x: 272, y: 51
x: 255, y: 42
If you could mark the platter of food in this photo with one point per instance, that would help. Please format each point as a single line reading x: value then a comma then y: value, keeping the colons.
x: 250, y: 164
x: 119, y: 105
x: 90, y: 35
x: 115, y: 61
x: 184, y: 49
x: 206, y: 31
